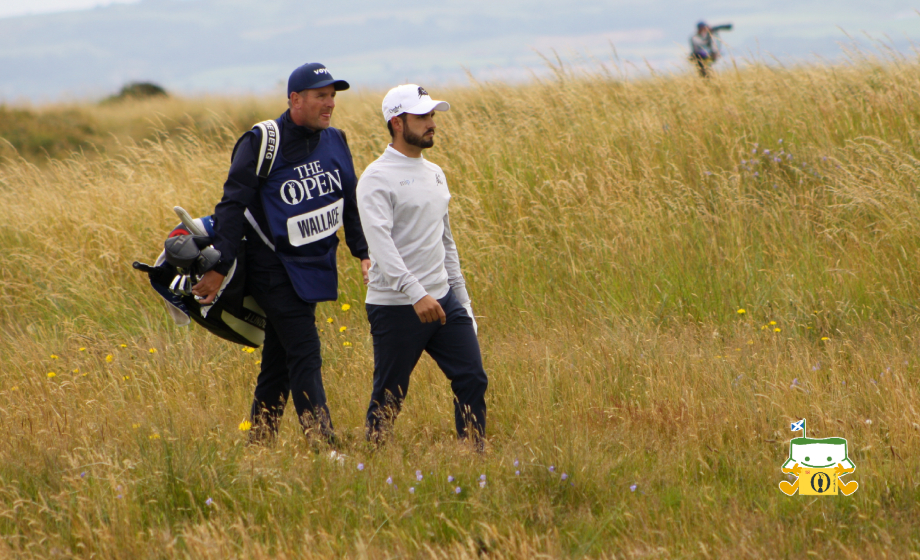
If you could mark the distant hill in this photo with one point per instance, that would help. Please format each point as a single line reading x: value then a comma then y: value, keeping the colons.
x: 192, y: 46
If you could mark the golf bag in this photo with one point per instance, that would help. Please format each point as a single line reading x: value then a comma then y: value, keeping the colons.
x: 233, y: 315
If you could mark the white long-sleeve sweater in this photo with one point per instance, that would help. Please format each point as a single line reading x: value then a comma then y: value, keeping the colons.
x: 403, y: 205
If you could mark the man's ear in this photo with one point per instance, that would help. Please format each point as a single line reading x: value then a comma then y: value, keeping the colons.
x: 396, y: 123
x: 294, y: 99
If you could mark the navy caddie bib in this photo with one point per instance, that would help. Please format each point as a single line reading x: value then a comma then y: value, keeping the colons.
x: 304, y: 204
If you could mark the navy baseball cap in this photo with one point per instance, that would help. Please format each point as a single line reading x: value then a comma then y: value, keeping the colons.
x: 311, y: 76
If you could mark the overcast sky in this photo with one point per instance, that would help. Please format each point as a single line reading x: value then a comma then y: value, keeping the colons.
x: 65, y: 49
x: 9, y: 8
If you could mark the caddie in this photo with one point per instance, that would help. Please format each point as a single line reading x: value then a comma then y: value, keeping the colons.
x: 291, y: 186
x: 416, y: 296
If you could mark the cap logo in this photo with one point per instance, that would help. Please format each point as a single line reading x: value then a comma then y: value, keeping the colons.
x: 320, y: 71
x: 421, y: 92
x: 395, y: 109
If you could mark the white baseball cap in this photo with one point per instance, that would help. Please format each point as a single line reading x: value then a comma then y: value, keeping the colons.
x: 410, y: 98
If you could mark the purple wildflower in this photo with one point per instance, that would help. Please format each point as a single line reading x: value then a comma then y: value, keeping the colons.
x: 360, y: 466
x: 632, y: 488
x: 457, y: 490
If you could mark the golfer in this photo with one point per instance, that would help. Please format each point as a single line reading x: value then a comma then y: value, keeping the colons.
x: 416, y: 296
x: 290, y: 188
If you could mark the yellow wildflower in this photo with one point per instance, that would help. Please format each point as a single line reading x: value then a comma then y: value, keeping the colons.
x: 825, y: 338
x: 772, y: 323
x: 15, y: 388
x: 135, y: 426
x: 249, y: 350
x: 125, y: 378
x: 154, y: 436
x: 153, y: 350
x: 345, y: 307
x: 245, y: 425
x: 51, y: 374
x: 82, y: 349
x: 258, y: 362
x: 329, y: 320
x: 76, y: 370
x: 346, y: 344
x: 343, y: 328
x: 122, y: 345
x: 109, y: 358
x: 750, y: 342
x: 54, y: 356
x: 741, y: 311
x: 777, y: 329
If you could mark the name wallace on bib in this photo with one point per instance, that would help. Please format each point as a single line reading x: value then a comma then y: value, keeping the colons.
x: 315, y: 225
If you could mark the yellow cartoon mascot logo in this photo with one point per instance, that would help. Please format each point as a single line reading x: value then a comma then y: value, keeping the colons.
x: 818, y: 465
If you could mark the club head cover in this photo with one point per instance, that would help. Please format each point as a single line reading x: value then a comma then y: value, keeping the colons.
x: 189, y: 223
x: 181, y: 251
x: 207, y: 260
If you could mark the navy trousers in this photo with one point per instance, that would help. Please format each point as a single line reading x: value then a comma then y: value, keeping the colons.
x: 400, y: 337
x: 291, y: 359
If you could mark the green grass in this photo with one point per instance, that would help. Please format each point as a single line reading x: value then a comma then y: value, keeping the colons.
x: 609, y: 230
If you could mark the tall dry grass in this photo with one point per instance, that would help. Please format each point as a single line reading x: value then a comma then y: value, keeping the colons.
x: 610, y: 231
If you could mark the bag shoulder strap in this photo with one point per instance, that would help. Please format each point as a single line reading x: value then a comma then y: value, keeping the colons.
x: 269, y: 147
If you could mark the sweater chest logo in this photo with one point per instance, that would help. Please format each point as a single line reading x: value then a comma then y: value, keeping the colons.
x: 311, y: 181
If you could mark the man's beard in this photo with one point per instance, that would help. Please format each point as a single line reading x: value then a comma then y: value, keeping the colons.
x: 416, y: 140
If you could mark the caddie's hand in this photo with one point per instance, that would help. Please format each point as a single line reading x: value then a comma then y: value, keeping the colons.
x: 208, y: 286
x: 365, y: 266
x: 429, y: 310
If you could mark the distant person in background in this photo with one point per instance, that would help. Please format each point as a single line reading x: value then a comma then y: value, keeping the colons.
x: 703, y: 48
x: 416, y: 297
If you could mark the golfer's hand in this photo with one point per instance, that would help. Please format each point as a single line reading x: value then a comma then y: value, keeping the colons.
x: 208, y: 286
x: 365, y: 266
x: 429, y: 310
